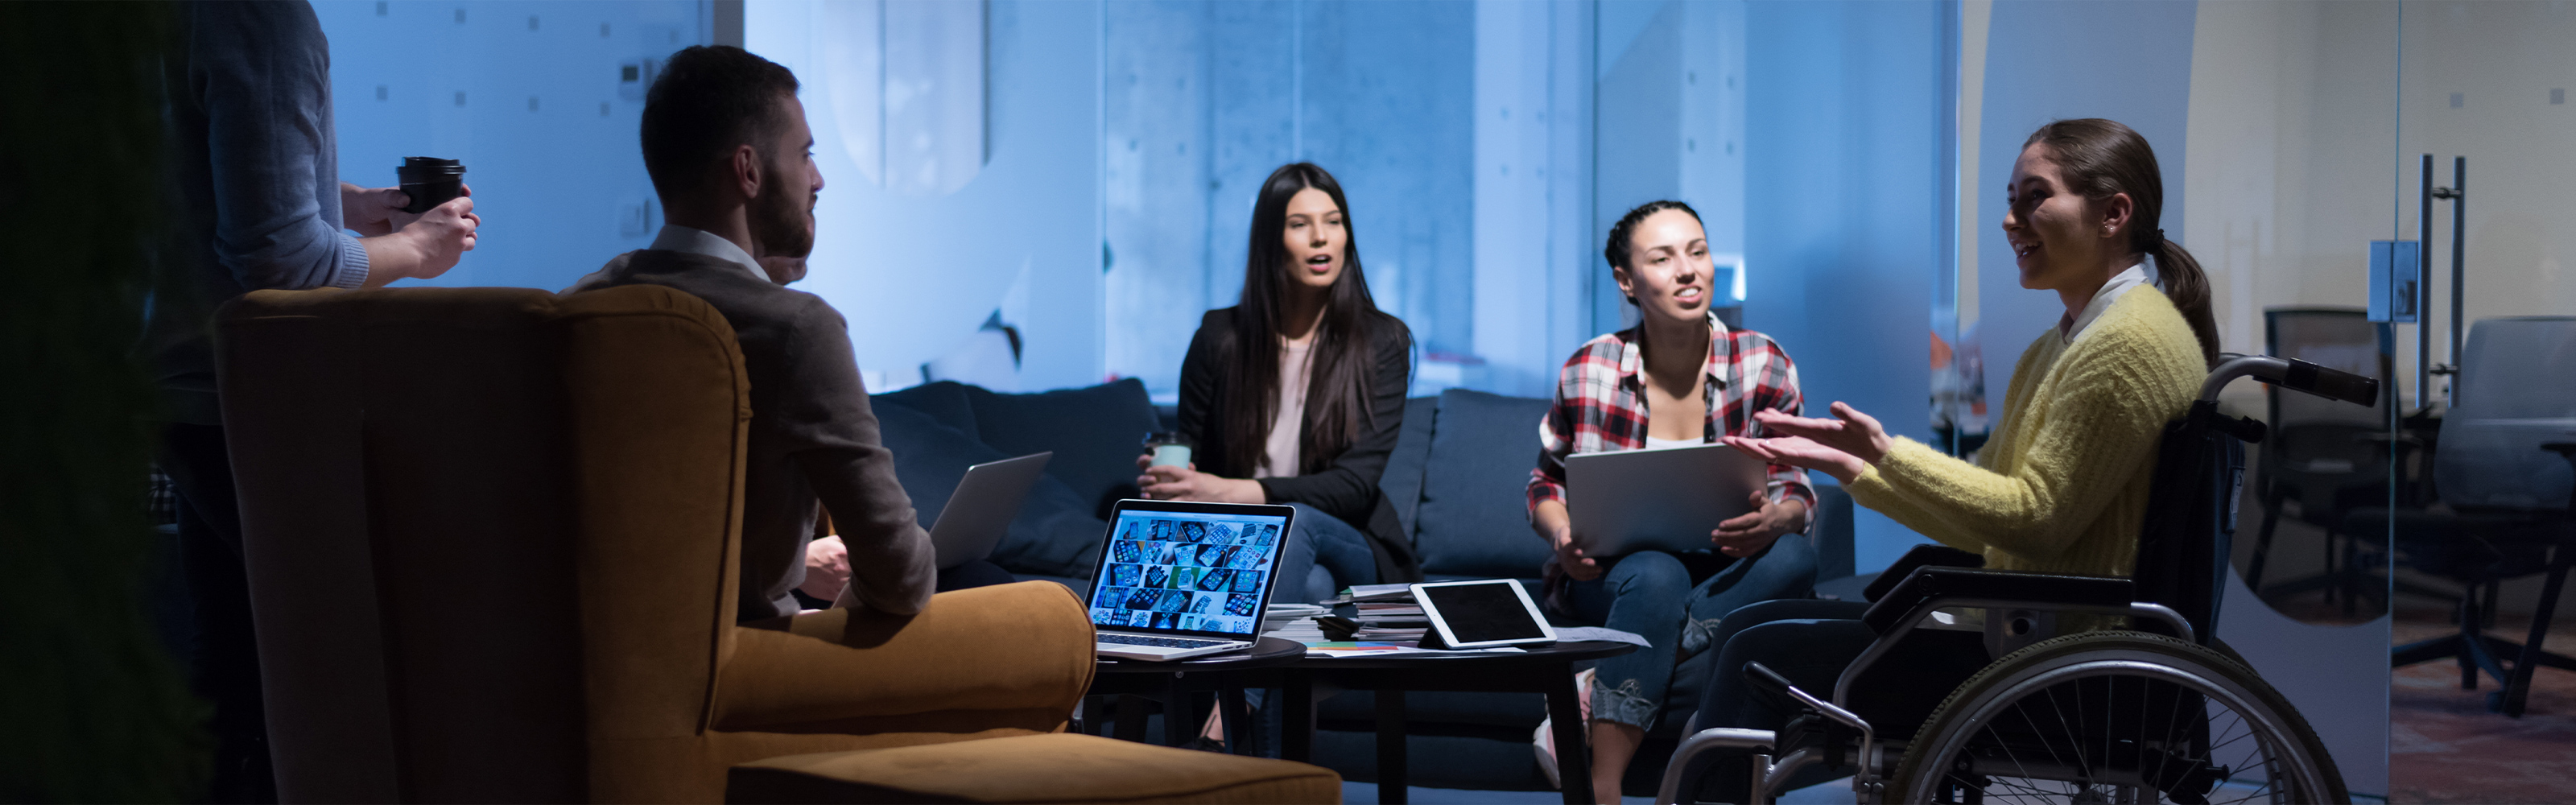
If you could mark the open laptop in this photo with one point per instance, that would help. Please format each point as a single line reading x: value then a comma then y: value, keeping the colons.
x: 980, y: 511
x: 1625, y: 501
x: 1178, y: 580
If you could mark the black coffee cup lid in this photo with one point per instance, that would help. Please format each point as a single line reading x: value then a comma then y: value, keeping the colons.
x: 432, y: 166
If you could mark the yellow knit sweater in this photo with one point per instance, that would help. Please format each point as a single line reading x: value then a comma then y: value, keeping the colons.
x: 2062, y: 486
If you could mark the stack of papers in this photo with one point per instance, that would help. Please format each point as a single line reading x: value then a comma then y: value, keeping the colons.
x: 1387, y: 648
x: 1293, y: 622
x: 1386, y: 613
x: 1374, y: 592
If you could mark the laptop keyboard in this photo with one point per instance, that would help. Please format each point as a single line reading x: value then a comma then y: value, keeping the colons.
x: 1169, y: 642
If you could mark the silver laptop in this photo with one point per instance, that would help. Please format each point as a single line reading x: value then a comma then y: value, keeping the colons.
x: 1666, y: 499
x: 1178, y: 580
x: 980, y: 511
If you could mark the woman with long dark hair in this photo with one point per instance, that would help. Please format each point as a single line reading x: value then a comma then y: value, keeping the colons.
x: 1294, y: 395
x: 2062, y: 487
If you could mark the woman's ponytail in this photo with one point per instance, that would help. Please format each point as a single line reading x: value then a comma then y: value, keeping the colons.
x: 2102, y: 158
x: 2188, y: 287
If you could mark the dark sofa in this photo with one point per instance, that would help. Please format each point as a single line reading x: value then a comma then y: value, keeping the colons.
x: 1456, y: 480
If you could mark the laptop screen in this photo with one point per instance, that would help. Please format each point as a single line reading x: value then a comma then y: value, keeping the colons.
x: 1188, y: 567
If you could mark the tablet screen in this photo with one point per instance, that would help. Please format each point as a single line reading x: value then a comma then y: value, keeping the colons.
x: 1478, y: 613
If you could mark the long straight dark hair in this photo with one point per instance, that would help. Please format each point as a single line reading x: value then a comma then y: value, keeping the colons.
x: 1339, y: 386
x: 2102, y: 158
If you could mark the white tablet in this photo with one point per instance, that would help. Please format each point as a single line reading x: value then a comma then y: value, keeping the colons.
x: 1479, y: 614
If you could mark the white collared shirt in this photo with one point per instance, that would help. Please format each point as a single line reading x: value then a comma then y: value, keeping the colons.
x: 674, y: 237
x: 2144, y: 273
x: 678, y: 238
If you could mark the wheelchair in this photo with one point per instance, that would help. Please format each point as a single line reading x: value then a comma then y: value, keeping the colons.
x: 2159, y: 711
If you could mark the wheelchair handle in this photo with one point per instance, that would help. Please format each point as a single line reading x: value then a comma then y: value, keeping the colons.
x: 1763, y: 678
x: 2293, y: 373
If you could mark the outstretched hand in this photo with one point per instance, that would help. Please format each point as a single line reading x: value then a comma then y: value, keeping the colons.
x: 1843, y: 447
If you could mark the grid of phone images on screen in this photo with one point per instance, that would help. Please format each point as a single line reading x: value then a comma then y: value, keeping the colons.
x: 1180, y: 573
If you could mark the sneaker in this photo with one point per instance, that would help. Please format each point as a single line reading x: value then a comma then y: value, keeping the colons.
x: 1543, y: 743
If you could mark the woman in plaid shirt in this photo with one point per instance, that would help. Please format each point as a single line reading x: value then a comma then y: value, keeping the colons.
x: 1679, y: 377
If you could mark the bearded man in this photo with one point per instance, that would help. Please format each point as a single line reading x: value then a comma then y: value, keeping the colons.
x: 732, y: 160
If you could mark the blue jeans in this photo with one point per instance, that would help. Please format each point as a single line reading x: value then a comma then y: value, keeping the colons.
x: 1319, y: 541
x: 1651, y: 594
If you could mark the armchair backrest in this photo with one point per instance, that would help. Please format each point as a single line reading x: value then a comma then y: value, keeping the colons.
x: 487, y: 530
x: 2516, y: 391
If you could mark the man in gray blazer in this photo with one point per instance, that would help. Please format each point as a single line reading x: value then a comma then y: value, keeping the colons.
x: 726, y: 144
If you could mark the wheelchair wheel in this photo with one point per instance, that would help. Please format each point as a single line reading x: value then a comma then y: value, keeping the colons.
x: 2116, y: 716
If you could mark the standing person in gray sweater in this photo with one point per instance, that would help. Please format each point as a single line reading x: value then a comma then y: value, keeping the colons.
x: 726, y: 143
x: 256, y: 202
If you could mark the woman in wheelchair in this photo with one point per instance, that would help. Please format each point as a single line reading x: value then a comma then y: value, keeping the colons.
x: 1679, y: 377
x: 2063, y: 485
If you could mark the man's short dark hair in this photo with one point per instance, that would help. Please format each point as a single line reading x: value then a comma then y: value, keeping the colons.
x: 708, y: 100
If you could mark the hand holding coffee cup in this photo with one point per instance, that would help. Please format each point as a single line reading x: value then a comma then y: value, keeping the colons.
x: 1166, y: 460
x: 372, y: 211
x: 1166, y: 449
x: 440, y: 237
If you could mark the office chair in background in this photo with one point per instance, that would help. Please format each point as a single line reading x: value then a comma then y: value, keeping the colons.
x: 2324, y: 457
x: 2503, y: 467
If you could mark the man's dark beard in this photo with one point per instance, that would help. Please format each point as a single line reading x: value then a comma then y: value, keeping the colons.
x: 779, y: 222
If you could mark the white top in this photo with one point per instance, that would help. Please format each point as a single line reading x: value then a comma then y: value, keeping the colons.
x: 676, y: 238
x: 1653, y: 443
x: 1279, y: 456
x: 699, y: 241
x: 2144, y: 273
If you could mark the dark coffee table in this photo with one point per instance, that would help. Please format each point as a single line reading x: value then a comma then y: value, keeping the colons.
x: 1133, y: 681
x: 1548, y: 670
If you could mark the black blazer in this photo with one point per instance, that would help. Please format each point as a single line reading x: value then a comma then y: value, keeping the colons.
x: 1348, y: 488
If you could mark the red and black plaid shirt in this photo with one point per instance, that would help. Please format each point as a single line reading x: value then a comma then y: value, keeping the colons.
x: 1601, y: 404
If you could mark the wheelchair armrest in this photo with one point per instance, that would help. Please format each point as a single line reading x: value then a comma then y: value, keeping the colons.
x: 1919, y: 556
x: 1927, y: 583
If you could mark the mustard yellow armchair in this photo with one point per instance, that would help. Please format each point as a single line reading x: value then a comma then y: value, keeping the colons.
x: 492, y: 537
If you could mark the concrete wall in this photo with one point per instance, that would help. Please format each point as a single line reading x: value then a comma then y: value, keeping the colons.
x: 527, y: 95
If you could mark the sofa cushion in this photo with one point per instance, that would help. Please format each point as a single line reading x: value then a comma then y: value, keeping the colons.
x: 1402, y: 482
x: 1054, y: 534
x: 944, y: 401
x: 1474, y: 517
x: 1096, y: 434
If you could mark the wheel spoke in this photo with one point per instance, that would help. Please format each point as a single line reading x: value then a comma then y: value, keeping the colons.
x: 2206, y: 723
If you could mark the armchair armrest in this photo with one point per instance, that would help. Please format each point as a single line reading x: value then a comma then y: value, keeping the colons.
x: 1930, y: 585
x: 1014, y: 655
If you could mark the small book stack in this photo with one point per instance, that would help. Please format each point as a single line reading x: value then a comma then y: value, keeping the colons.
x: 1383, y: 612
x: 1294, y: 622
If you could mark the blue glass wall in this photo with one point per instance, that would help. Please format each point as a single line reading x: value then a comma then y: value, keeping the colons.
x: 531, y: 97
x: 1201, y: 101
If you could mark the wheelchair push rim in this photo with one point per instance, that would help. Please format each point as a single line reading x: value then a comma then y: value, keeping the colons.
x: 2047, y: 724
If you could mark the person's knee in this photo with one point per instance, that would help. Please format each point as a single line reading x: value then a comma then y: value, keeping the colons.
x: 1790, y: 565
x: 1649, y: 571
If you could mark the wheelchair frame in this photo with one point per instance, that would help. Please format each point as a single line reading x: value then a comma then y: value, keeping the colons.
x: 2181, y: 568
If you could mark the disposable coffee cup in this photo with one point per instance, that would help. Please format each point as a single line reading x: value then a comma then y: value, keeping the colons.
x: 430, y: 181
x: 1168, y: 450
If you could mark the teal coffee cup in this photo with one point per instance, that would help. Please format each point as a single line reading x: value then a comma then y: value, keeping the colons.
x: 1168, y: 449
